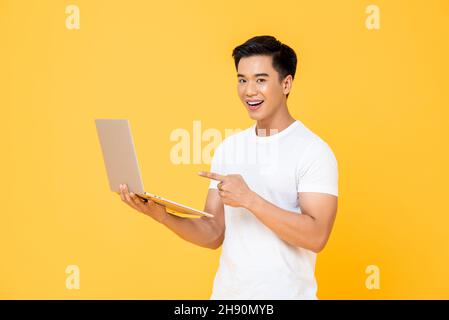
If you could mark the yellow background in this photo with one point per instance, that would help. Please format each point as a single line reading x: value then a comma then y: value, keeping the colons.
x: 378, y: 97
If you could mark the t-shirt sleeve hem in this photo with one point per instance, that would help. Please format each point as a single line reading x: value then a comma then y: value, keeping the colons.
x: 320, y: 189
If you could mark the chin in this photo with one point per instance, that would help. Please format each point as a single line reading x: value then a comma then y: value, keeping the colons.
x: 255, y: 116
x: 258, y: 116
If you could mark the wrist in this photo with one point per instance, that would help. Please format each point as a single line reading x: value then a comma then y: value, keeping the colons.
x: 163, y: 217
x: 251, y: 201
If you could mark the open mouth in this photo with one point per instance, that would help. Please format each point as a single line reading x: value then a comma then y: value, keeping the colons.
x: 254, y: 105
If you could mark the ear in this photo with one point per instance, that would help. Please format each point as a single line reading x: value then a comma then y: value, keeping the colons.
x: 287, y: 84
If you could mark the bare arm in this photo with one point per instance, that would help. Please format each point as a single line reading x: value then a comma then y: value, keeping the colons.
x: 204, y: 231
x: 309, y: 230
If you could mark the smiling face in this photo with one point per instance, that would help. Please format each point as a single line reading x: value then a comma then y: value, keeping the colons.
x: 259, y: 87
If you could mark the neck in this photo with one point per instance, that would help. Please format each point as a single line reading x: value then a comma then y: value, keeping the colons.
x: 277, y: 122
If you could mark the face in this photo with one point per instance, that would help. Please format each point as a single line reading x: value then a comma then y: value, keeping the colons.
x: 259, y: 88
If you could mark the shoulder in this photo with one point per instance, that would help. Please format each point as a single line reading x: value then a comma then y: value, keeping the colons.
x: 318, y: 154
x: 312, y: 144
x: 319, y: 145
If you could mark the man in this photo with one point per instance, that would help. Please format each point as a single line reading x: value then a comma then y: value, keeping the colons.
x: 273, y: 189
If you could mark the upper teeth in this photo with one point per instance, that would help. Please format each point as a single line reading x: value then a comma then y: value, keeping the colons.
x: 254, y: 102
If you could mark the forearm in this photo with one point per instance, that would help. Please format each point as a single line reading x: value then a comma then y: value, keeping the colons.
x: 197, y: 231
x: 299, y: 230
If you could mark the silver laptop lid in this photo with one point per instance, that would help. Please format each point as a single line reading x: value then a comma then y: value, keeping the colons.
x: 119, y: 154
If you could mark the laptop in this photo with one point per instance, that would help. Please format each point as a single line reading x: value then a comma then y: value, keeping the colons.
x: 122, y: 167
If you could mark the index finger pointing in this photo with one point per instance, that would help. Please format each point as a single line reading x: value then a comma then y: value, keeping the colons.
x: 212, y: 175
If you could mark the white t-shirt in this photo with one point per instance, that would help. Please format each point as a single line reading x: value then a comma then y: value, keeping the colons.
x: 255, y: 263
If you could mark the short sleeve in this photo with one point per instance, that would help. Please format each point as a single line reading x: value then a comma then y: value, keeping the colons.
x: 318, y: 172
x: 217, y: 165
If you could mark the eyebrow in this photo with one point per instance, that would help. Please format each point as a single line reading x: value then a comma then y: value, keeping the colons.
x: 256, y: 75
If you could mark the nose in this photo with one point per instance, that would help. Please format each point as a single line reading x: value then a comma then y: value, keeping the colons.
x: 251, y: 89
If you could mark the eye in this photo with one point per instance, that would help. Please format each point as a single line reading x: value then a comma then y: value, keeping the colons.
x: 240, y: 80
x: 261, y: 80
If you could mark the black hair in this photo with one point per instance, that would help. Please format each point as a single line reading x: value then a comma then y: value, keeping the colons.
x: 283, y: 57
